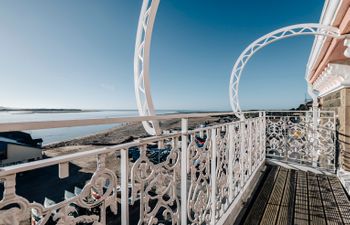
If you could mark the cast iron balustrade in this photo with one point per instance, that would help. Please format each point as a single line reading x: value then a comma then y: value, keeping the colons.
x: 199, y: 176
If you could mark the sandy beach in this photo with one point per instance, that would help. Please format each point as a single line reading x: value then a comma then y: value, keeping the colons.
x: 115, y: 136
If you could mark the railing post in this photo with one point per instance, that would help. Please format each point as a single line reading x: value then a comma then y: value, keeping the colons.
x: 285, y: 136
x: 231, y: 149
x: 250, y: 138
x: 315, y: 116
x: 101, y: 165
x: 242, y: 152
x: 201, y: 134
x: 311, y: 131
x: 103, y: 213
x: 263, y: 135
x: 213, y: 175
x: 184, y: 162
x: 124, y: 186
x: 337, y: 162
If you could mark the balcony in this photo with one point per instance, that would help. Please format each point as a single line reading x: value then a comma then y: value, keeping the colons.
x: 272, y: 166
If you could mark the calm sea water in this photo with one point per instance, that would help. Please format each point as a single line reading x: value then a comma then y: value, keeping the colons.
x: 62, y: 134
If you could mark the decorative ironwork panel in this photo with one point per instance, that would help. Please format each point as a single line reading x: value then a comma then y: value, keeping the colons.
x: 275, y: 137
x: 236, y: 161
x: 155, y: 185
x: 245, y: 144
x: 291, y: 136
x: 219, y: 162
x: 199, y: 194
x: 297, y: 142
x: 98, y: 194
x: 254, y: 135
x: 222, y: 161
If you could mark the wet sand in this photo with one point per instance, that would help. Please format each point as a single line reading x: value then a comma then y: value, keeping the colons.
x: 122, y: 134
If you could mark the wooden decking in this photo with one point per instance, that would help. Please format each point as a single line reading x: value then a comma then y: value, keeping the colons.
x: 296, y: 197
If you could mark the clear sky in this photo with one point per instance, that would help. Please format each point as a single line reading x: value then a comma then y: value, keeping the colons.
x: 79, y: 54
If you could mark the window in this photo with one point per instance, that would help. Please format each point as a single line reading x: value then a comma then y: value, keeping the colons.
x: 3, y: 150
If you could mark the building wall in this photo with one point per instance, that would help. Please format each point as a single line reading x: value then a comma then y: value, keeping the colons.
x: 18, y: 153
x: 339, y: 102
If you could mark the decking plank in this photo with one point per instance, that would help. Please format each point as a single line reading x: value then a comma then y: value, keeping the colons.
x: 301, y: 212
x: 285, y: 216
x: 288, y: 197
x: 341, y: 198
x: 330, y: 206
x: 317, y: 215
x: 258, y: 208
x: 272, y: 208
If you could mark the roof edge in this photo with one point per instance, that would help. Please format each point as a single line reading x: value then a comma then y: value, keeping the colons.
x: 328, y: 16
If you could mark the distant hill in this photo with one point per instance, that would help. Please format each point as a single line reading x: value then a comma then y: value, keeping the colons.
x: 40, y: 109
x: 305, y: 106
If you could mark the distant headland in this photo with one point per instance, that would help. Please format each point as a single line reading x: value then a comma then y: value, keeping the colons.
x: 41, y: 110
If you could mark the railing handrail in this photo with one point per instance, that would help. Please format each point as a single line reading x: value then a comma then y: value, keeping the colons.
x: 47, y: 124
x: 71, y: 123
x: 224, y: 141
x: 73, y: 156
x: 291, y: 111
x: 101, y: 150
x: 38, y: 125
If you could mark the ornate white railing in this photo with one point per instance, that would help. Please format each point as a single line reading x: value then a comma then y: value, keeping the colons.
x: 291, y: 136
x: 194, y: 176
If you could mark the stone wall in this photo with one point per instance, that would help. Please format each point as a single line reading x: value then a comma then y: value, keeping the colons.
x: 339, y: 102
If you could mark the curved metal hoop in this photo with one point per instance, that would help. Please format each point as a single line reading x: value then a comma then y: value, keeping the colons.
x: 285, y: 32
x: 141, y: 64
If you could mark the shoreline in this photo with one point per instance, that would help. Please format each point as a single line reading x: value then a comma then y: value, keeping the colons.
x: 67, y: 141
x: 81, y: 169
x: 121, y: 134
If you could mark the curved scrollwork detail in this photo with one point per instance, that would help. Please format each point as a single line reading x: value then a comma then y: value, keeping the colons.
x: 275, y: 130
x: 141, y: 64
x: 218, y: 163
x: 292, y: 138
x: 222, y: 170
x: 16, y: 204
x: 155, y: 185
x: 98, y: 194
x: 199, y: 201
x: 236, y: 159
x: 285, y: 32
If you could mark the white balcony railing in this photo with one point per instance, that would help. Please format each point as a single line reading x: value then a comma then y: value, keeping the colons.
x: 194, y: 176
x: 291, y: 136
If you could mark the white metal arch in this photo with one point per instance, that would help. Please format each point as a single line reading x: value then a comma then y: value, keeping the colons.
x: 285, y: 32
x: 141, y: 64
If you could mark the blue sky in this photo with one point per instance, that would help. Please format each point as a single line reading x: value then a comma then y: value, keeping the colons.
x: 79, y: 54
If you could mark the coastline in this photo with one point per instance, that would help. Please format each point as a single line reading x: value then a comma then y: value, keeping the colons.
x: 131, y: 131
x: 80, y: 170
x: 118, y: 135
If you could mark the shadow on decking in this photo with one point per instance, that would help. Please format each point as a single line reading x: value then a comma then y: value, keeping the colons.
x: 288, y: 196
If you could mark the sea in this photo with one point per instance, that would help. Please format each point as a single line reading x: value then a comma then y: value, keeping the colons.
x: 55, y: 135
